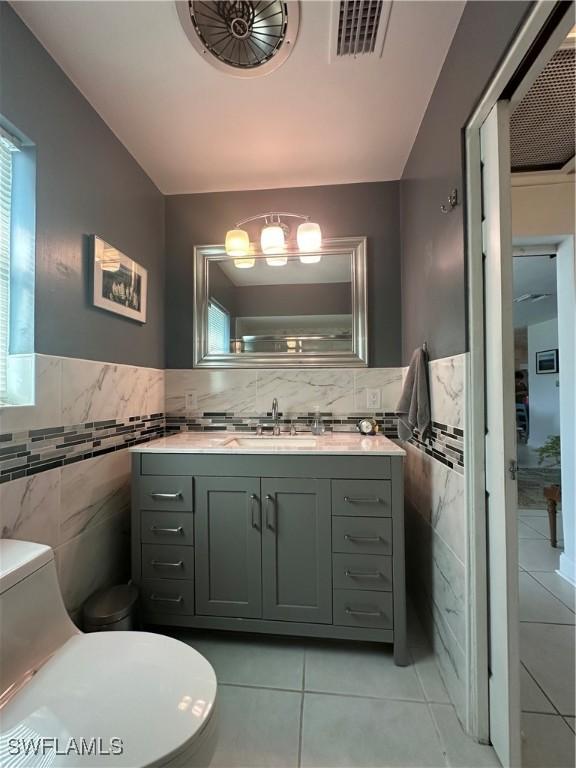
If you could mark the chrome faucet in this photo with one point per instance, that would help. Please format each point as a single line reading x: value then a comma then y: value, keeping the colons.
x: 275, y: 420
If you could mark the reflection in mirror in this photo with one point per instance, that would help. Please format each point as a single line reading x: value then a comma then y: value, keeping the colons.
x: 291, y: 310
x: 296, y: 308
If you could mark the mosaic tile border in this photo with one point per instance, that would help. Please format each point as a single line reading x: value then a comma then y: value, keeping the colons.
x: 444, y: 443
x: 230, y: 422
x: 26, y: 453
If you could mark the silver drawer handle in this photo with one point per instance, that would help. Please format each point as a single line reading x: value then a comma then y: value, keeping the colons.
x: 351, y: 612
x: 363, y: 574
x: 178, y: 531
x: 167, y: 496
x: 159, y: 599
x: 363, y: 539
x: 160, y: 564
x: 362, y: 500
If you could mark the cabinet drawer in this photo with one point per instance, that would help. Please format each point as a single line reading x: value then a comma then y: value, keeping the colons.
x: 161, y: 561
x: 167, y: 528
x: 366, y: 498
x: 169, y: 493
x: 371, y: 572
x: 363, y: 608
x: 165, y: 596
x: 362, y: 535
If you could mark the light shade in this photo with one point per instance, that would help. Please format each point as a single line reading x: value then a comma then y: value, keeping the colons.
x: 276, y: 261
x: 237, y: 242
x: 309, y: 239
x: 110, y: 260
x: 272, y: 239
x: 244, y: 263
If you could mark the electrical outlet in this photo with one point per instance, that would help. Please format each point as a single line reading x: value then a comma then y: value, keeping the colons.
x: 373, y: 399
x: 191, y: 400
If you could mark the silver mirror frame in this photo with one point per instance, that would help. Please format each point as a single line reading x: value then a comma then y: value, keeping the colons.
x: 357, y: 358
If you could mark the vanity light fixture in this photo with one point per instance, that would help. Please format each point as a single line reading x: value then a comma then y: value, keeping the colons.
x: 273, y: 240
x: 309, y: 239
x: 238, y: 244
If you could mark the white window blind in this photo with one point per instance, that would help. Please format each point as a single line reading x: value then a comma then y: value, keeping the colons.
x: 218, y: 328
x: 7, y: 149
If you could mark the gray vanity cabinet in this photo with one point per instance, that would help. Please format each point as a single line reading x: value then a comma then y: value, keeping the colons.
x: 228, y: 546
x: 288, y: 545
x: 296, y: 550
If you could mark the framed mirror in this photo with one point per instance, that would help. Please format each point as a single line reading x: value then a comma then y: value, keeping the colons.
x: 284, y: 310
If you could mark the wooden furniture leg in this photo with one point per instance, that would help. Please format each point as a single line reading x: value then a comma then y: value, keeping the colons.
x: 552, y: 496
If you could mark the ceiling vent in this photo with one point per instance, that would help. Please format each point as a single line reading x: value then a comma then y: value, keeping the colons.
x: 245, y: 38
x: 359, y: 28
x: 542, y: 125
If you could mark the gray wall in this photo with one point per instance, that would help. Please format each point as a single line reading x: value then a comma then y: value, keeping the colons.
x: 433, y: 260
x: 87, y: 182
x: 342, y: 210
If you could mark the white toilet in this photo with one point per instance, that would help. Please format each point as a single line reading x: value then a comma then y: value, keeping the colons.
x: 130, y: 699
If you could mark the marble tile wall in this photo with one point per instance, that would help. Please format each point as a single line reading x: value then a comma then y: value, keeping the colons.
x: 81, y: 507
x: 436, y: 528
x: 339, y: 391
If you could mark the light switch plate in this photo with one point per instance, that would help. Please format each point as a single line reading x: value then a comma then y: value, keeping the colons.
x: 373, y: 399
x: 191, y: 400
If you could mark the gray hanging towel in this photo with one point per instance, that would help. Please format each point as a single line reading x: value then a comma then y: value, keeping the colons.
x: 414, y: 405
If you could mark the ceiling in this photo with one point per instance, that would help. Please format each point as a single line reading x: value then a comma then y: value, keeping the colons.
x: 196, y: 129
x: 534, y: 275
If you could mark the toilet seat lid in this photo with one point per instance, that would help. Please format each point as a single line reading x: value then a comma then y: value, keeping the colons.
x: 151, y: 692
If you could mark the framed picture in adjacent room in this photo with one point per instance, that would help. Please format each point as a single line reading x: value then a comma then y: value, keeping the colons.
x: 547, y: 361
x: 120, y: 284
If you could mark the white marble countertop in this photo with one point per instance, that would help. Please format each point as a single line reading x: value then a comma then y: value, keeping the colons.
x: 302, y: 444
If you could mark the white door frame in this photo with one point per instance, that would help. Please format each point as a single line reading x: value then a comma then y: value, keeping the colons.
x: 478, y: 722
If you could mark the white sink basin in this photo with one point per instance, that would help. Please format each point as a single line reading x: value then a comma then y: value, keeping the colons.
x: 263, y: 443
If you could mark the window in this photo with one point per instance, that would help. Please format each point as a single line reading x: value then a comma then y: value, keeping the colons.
x: 218, y: 328
x: 17, y: 266
x: 8, y: 147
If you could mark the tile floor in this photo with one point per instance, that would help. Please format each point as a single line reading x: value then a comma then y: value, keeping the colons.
x: 294, y: 702
x: 547, y: 639
x: 318, y: 704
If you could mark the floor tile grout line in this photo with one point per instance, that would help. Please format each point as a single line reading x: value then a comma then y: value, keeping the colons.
x: 556, y: 711
x: 548, y: 590
x: 542, y: 535
x: 550, y: 623
x: 330, y: 693
x: 301, y: 729
x: 436, y: 726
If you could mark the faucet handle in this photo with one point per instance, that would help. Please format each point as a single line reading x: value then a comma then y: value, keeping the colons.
x: 258, y: 429
x: 292, y: 430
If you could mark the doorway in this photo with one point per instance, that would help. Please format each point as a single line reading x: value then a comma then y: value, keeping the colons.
x: 497, y: 426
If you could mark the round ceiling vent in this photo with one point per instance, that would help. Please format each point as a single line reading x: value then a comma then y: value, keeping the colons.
x: 245, y: 38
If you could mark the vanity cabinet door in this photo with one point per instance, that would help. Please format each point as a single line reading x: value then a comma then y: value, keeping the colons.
x: 228, y: 547
x: 296, y: 550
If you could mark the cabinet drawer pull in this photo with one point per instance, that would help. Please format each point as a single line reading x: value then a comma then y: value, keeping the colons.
x: 363, y: 574
x: 362, y: 499
x: 159, y: 599
x: 166, y: 496
x: 160, y: 564
x: 176, y: 531
x: 363, y: 539
x: 352, y: 612
x: 256, y: 512
x: 270, y: 508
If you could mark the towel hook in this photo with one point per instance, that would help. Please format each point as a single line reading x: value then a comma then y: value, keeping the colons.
x: 452, y: 201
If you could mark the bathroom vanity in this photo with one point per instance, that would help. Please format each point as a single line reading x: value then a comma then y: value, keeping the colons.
x: 291, y: 535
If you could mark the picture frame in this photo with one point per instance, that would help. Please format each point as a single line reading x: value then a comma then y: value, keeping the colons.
x: 547, y: 361
x: 119, y: 284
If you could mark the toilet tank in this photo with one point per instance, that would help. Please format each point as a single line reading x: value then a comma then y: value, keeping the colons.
x: 33, y: 620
